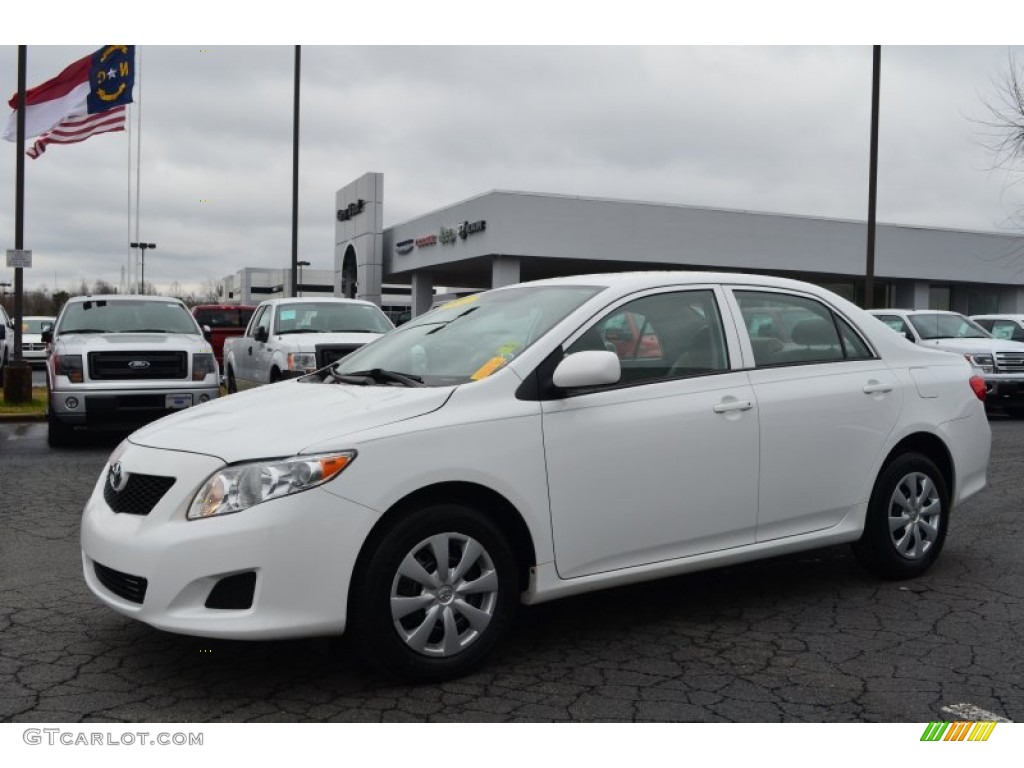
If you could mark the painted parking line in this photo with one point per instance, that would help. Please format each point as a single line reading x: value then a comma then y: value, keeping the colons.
x: 972, y: 713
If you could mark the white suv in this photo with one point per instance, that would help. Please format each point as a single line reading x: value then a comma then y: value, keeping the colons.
x: 6, y: 341
x: 120, y: 361
x: 999, y: 360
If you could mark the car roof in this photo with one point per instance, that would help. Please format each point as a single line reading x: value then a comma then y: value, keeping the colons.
x: 898, y: 310
x: 1001, y: 316
x: 655, y: 278
x: 122, y: 297
x: 318, y: 300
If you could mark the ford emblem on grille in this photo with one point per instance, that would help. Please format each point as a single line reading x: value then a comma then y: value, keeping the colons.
x: 118, y: 478
x: 139, y: 365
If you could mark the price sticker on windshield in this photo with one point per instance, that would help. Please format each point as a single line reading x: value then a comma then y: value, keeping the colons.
x: 460, y: 302
x: 488, y: 368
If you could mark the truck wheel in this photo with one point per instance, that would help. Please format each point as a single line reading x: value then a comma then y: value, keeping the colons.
x: 434, y: 595
x: 232, y: 384
x: 58, y: 434
x: 275, y: 375
x: 906, y: 520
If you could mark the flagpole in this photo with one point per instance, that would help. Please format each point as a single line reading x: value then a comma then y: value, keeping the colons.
x: 295, y: 177
x: 138, y: 155
x: 18, y: 374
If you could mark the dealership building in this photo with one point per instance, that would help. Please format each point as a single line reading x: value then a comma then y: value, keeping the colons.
x: 500, y: 238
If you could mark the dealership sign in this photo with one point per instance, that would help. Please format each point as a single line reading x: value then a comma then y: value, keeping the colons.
x: 351, y: 210
x: 447, y: 236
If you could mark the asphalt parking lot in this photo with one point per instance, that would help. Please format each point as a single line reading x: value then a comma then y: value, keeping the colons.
x: 804, y: 638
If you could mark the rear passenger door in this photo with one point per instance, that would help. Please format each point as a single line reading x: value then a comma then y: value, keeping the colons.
x: 826, y: 404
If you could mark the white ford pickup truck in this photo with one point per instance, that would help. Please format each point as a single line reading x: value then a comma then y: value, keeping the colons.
x: 1000, y: 362
x: 286, y: 338
x: 118, y: 362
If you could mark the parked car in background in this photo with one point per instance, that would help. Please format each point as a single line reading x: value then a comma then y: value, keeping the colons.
x: 33, y: 348
x: 225, y: 321
x: 1000, y: 361
x: 495, y: 451
x: 1009, y: 327
x: 291, y: 337
x: 118, y: 362
x: 6, y: 341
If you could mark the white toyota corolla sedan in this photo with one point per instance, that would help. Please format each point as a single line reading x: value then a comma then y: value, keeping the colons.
x: 534, y: 442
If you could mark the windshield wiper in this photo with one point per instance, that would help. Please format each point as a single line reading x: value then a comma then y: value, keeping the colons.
x: 351, y: 330
x: 378, y: 376
x: 146, y: 330
x: 299, y: 330
x: 82, y: 330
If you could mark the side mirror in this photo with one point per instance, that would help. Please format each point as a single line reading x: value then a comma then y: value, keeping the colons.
x: 261, y: 334
x: 208, y: 333
x: 593, y: 368
x: 47, y: 334
x: 910, y: 337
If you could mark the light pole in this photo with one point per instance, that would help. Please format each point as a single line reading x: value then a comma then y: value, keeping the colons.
x: 298, y: 285
x: 142, y: 277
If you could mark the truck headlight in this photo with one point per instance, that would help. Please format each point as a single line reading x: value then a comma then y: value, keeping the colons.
x: 302, y: 361
x: 203, y: 364
x: 983, y: 361
x: 239, y: 487
x: 68, y: 365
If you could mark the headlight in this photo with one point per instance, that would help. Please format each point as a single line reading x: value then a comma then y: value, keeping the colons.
x: 203, y: 364
x: 233, y: 489
x: 302, y: 361
x: 68, y: 365
x: 985, y: 362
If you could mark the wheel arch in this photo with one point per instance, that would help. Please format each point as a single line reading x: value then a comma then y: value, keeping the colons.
x: 934, y: 448
x: 488, y: 501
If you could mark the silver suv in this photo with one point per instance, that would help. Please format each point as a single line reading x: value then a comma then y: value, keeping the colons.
x: 6, y: 341
x: 1000, y: 361
x: 118, y: 362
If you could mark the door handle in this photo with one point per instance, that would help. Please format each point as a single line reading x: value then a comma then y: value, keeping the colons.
x: 733, y: 405
x: 875, y: 387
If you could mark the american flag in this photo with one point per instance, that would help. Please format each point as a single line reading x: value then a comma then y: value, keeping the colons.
x: 75, y: 129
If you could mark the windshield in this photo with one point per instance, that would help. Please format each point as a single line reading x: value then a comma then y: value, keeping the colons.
x: 35, y: 324
x: 937, y: 326
x: 469, y: 338
x: 331, y: 317
x: 128, y: 316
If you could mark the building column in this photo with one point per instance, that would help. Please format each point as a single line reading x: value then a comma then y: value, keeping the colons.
x: 912, y: 294
x: 1011, y: 301
x: 422, y: 292
x: 504, y: 271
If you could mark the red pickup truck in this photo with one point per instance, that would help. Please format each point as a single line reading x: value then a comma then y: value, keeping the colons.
x: 224, y: 321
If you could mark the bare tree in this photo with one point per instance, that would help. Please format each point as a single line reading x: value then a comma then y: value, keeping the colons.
x: 1005, y: 123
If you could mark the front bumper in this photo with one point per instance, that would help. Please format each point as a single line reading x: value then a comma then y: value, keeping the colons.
x: 1004, y: 386
x: 300, y: 548
x: 124, y: 408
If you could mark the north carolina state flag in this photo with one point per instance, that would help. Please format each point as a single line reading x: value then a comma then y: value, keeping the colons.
x: 87, y: 98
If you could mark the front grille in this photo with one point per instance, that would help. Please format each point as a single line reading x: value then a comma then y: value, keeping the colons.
x: 137, y: 366
x: 33, y: 347
x: 131, y: 588
x: 139, y: 495
x: 1010, y: 362
x: 332, y: 353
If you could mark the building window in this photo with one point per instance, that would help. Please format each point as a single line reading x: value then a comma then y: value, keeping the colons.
x: 939, y: 297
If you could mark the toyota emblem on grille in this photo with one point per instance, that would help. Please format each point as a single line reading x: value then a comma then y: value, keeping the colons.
x: 139, y: 365
x: 118, y: 478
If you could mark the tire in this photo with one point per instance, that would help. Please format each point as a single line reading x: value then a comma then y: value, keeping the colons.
x: 58, y: 434
x: 1014, y: 411
x: 232, y: 384
x: 909, y: 490
x: 275, y: 375
x: 437, y: 634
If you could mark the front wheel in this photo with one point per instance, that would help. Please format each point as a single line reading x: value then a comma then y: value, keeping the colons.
x: 435, y: 594
x: 906, y: 520
x: 58, y: 434
x: 232, y: 384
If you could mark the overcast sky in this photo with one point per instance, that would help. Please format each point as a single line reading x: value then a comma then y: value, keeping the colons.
x: 780, y: 129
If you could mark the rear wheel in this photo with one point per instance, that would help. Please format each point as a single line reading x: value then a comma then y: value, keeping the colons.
x: 435, y: 594
x: 907, y: 519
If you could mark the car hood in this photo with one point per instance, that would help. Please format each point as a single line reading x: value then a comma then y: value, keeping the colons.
x: 283, y: 419
x: 974, y: 345
x: 308, y: 341
x: 98, y: 342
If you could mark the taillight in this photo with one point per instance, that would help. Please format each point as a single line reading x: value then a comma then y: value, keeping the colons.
x: 978, y: 385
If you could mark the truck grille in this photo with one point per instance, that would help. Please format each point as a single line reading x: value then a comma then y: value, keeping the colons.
x: 332, y: 353
x: 137, y: 366
x: 139, y: 495
x: 1010, y: 362
x: 124, y: 585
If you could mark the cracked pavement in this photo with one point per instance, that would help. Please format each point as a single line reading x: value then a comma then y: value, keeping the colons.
x: 803, y: 638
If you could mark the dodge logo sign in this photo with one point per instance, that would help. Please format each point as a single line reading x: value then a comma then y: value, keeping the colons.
x: 118, y: 478
x: 139, y: 365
